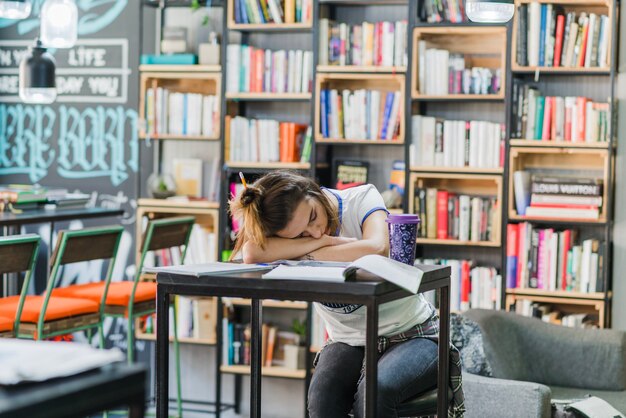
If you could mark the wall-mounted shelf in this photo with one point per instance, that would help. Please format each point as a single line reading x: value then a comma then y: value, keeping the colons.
x: 265, y: 371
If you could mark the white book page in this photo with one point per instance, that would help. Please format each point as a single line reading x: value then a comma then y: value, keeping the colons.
x: 206, y: 269
x: 327, y: 274
x: 403, y: 275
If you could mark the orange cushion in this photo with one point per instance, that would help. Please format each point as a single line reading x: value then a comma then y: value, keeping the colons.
x: 6, y: 324
x: 58, y: 308
x: 118, y: 294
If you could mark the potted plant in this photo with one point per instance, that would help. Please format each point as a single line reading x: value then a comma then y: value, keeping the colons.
x: 295, y: 353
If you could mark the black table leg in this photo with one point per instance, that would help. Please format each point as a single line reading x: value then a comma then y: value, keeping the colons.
x: 371, y: 359
x: 444, y: 351
x: 162, y: 352
x: 218, y: 357
x: 255, y: 359
x: 137, y: 408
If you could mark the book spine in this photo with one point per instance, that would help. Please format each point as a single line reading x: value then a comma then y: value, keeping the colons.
x: 512, y: 240
x: 442, y: 214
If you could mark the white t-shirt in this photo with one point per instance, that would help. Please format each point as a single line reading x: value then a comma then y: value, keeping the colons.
x: 346, y: 323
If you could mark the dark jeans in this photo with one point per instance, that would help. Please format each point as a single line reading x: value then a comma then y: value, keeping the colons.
x: 337, y: 386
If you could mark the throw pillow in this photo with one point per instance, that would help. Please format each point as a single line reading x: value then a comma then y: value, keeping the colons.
x: 468, y: 339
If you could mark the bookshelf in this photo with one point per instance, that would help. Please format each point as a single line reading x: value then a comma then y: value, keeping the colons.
x: 480, y: 46
x: 207, y: 218
x: 204, y: 81
x: 591, y: 160
x: 458, y: 184
x: 489, y: 46
x: 385, y: 83
x: 599, y: 7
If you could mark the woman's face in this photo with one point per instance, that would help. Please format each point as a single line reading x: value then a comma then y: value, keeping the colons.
x: 309, y: 220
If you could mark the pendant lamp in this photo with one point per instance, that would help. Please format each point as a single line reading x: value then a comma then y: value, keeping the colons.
x: 59, y: 23
x: 489, y: 11
x: 15, y: 9
x: 37, y: 76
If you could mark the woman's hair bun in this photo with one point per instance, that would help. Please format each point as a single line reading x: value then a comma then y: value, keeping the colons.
x: 250, y: 195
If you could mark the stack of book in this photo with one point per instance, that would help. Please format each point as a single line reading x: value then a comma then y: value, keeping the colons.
x: 441, y: 72
x: 470, y: 286
x: 559, y: 197
x: 262, y: 140
x: 554, y: 118
x: 543, y: 258
x: 273, y: 11
x: 549, y: 37
x: 456, y: 143
x: 181, y: 113
x: 255, y: 70
x: 434, y: 11
x: 367, y: 44
x: 551, y: 314
x: 446, y: 215
x: 360, y: 114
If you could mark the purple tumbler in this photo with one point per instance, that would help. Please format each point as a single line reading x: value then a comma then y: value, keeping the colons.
x: 402, y: 236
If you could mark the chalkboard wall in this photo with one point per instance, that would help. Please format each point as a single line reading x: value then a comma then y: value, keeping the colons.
x: 87, y: 139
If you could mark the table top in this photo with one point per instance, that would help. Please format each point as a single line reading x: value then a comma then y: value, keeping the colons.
x: 55, y: 215
x: 252, y: 285
x: 79, y: 395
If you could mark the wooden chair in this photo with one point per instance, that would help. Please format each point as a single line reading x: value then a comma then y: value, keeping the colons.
x: 133, y: 299
x: 18, y: 254
x: 50, y: 315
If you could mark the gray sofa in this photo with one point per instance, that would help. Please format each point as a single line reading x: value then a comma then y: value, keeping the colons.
x: 534, y: 362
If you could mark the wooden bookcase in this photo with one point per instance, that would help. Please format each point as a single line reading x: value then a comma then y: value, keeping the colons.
x: 605, y: 7
x: 207, y: 216
x: 470, y: 184
x: 588, y: 160
x: 481, y: 47
x: 272, y: 371
x: 355, y: 81
x: 593, y: 159
x: 261, y: 27
x: 182, y: 79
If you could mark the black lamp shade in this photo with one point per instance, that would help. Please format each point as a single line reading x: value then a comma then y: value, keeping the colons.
x: 37, y: 76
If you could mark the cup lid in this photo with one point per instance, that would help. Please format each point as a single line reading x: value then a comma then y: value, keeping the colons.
x: 403, y: 218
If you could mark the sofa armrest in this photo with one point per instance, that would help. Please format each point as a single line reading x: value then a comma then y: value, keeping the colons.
x: 487, y: 397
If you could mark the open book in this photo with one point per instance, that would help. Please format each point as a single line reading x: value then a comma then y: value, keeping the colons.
x: 207, y: 269
x: 403, y: 275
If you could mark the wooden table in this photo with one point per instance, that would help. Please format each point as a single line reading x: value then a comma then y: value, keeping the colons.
x: 370, y: 294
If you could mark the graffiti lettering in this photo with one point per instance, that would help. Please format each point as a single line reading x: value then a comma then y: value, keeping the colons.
x: 91, y: 141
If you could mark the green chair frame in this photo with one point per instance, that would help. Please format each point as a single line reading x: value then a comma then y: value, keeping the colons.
x: 18, y: 253
x: 164, y: 233
x: 75, y: 246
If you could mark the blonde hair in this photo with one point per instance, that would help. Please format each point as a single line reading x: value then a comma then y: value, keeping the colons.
x: 267, y: 206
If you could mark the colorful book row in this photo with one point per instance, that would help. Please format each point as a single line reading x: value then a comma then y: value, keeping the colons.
x: 554, y: 118
x: 360, y: 114
x: 366, y: 44
x: 549, y: 37
x: 471, y: 287
x: 547, y: 259
x: 442, y: 72
x: 446, y: 215
x: 262, y: 140
x: 254, y: 70
x: 173, y: 113
x: 273, y: 11
x: 452, y: 143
